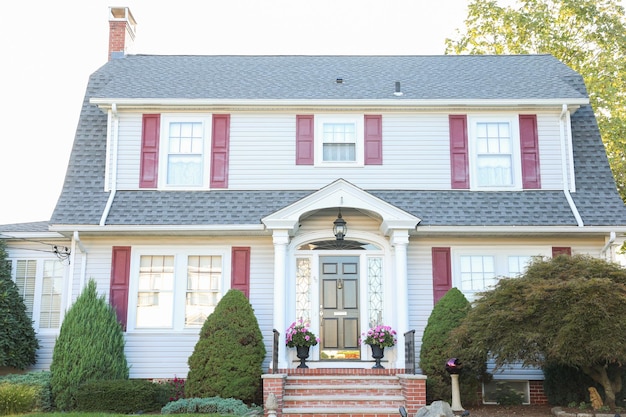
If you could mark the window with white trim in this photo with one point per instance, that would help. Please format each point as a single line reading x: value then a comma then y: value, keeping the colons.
x: 176, y: 291
x: 40, y: 283
x: 494, y: 145
x: 185, y: 145
x: 479, y: 269
x: 339, y: 140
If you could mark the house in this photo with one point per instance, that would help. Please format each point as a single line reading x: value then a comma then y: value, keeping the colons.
x: 192, y: 175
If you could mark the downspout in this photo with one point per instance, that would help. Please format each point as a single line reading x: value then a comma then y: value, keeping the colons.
x: 83, y: 266
x: 608, y: 244
x: 566, y: 187
x: 113, y: 161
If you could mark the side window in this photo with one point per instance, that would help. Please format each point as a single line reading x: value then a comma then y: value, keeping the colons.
x: 477, y: 272
x: 40, y: 283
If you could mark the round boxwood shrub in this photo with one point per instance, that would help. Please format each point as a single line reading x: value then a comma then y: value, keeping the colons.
x: 18, y: 342
x: 227, y: 359
x: 90, y: 347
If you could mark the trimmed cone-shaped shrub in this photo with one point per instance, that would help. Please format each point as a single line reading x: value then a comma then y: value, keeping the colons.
x: 227, y: 360
x: 90, y: 347
x: 437, y: 348
x: 18, y: 342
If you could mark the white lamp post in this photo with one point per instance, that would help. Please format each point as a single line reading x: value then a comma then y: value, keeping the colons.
x: 453, y: 366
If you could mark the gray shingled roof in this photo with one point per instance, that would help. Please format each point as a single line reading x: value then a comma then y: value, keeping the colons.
x: 82, y: 200
x: 364, y: 77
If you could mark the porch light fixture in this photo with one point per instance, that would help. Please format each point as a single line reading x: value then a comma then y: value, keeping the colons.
x: 340, y: 228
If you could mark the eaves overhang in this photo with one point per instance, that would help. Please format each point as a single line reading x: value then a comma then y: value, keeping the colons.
x: 378, y: 104
x: 161, y: 230
x: 513, y: 230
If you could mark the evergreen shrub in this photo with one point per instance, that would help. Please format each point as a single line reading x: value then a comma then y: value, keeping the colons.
x: 122, y: 396
x: 437, y: 347
x: 208, y: 406
x: 227, y: 359
x: 16, y: 399
x: 90, y: 347
x: 18, y: 342
x: 40, y: 382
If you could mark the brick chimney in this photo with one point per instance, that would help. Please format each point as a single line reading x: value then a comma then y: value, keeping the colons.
x: 122, y: 26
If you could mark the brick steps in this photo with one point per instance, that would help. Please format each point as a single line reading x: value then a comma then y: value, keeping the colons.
x: 342, y: 396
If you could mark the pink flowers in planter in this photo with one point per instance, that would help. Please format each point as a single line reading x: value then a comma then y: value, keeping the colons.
x: 381, y: 335
x: 298, y: 334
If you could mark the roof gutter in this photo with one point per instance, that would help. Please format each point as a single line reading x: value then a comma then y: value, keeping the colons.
x: 564, y: 165
x: 607, y: 246
x: 106, y: 103
x: 112, y: 177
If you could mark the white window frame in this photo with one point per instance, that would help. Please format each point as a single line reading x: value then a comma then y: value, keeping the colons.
x: 180, y: 254
x: 207, y: 126
x: 37, y: 297
x: 516, y: 163
x: 501, y: 256
x: 359, y: 123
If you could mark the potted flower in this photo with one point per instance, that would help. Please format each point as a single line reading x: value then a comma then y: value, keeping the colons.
x: 379, y: 337
x: 299, y: 335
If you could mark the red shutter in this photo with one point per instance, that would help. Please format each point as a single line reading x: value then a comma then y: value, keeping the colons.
x: 120, y: 276
x: 219, y: 150
x: 561, y: 250
x: 373, y: 139
x: 304, y: 139
x: 459, y: 159
x: 442, y: 272
x: 529, y: 146
x: 149, y: 150
x: 240, y: 270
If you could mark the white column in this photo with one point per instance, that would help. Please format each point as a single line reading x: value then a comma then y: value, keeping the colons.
x: 281, y: 240
x: 400, y: 242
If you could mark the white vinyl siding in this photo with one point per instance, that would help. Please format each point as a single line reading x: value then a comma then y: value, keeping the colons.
x: 416, y: 153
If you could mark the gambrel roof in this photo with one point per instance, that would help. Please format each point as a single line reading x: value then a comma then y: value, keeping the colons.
x: 145, y: 79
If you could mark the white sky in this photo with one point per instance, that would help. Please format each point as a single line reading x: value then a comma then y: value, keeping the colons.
x: 49, y: 48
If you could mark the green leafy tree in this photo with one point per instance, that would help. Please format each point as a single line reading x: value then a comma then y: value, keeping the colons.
x: 18, y: 342
x: 567, y: 310
x: 587, y: 35
x: 90, y: 347
x: 227, y: 359
x: 436, y: 349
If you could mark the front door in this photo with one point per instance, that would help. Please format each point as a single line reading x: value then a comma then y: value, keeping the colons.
x: 339, y: 307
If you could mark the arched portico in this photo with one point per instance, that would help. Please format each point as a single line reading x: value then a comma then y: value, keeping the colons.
x: 381, y: 227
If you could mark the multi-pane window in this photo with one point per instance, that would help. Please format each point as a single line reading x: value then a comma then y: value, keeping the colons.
x: 185, y: 153
x: 518, y: 265
x: 40, y: 283
x: 204, y: 274
x: 494, y: 154
x: 177, y: 291
x: 479, y: 269
x: 52, y: 282
x: 339, y: 142
x: 25, y: 278
x: 477, y: 272
x: 155, y: 299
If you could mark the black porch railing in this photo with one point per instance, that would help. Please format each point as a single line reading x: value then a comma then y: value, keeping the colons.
x: 275, y: 351
x: 409, y: 352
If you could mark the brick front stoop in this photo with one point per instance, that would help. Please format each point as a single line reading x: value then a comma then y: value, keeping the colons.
x: 344, y: 392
